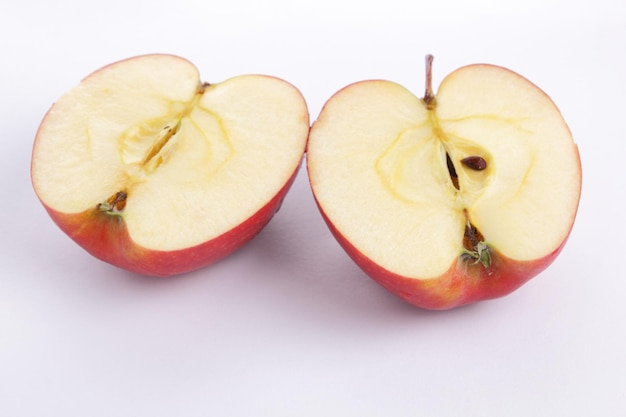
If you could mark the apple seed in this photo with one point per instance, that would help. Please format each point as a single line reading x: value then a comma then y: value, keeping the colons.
x: 452, y: 171
x: 476, y: 163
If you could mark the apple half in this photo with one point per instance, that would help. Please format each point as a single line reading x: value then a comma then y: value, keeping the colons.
x: 151, y: 169
x: 449, y: 199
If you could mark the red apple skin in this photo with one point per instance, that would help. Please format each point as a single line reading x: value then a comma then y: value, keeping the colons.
x: 106, y: 237
x: 465, y: 282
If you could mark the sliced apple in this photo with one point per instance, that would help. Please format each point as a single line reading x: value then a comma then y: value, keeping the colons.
x: 453, y: 198
x: 154, y: 171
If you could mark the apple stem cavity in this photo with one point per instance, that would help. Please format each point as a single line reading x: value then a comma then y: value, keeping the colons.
x: 429, y: 96
x: 202, y: 88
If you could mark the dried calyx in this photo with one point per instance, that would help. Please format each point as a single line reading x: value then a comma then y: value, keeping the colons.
x: 114, y: 204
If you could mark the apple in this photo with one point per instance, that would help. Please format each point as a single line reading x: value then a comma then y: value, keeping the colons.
x: 150, y: 169
x: 449, y: 199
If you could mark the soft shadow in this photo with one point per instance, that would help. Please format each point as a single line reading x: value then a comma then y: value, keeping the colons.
x: 298, y: 257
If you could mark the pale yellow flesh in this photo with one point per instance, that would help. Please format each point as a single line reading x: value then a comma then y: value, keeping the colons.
x: 377, y: 165
x: 195, y: 160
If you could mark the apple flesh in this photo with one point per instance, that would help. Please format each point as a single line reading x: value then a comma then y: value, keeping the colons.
x: 154, y: 171
x: 450, y: 199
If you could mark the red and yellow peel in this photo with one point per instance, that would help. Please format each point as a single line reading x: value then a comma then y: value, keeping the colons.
x: 106, y: 237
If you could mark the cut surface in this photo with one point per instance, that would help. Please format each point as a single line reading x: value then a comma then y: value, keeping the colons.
x: 193, y: 160
x: 379, y: 165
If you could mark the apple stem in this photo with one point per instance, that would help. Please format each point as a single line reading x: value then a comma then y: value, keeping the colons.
x: 202, y: 87
x: 429, y: 96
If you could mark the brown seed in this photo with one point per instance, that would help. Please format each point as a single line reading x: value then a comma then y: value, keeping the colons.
x: 476, y: 163
x: 452, y: 171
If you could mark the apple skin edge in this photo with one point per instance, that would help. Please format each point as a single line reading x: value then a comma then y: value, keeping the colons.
x: 106, y: 237
x: 465, y: 282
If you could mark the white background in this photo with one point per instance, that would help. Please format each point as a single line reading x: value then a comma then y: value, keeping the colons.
x: 289, y: 326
